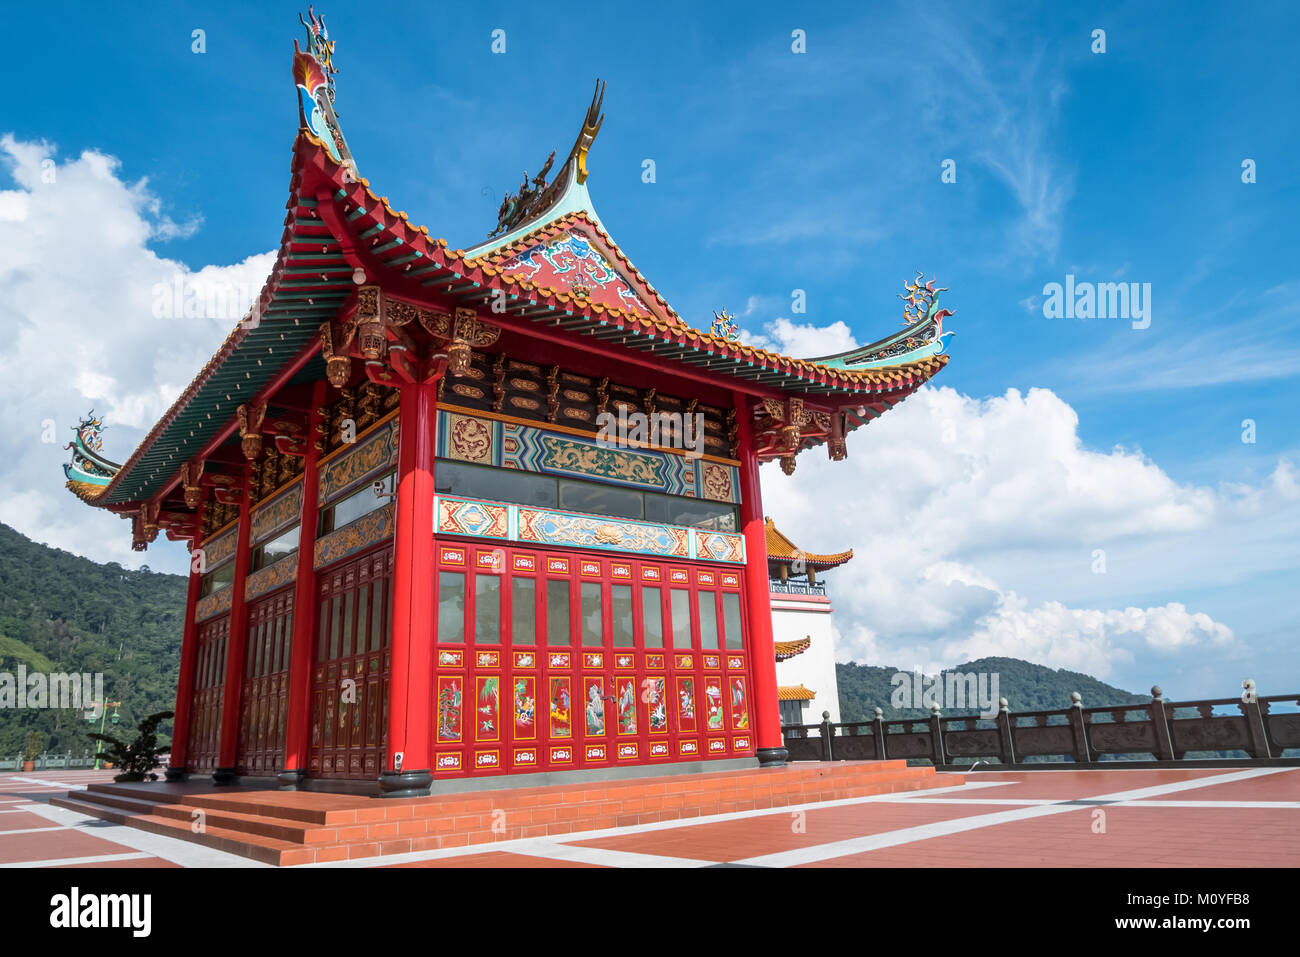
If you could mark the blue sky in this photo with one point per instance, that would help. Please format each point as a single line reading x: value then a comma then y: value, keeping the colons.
x: 818, y: 171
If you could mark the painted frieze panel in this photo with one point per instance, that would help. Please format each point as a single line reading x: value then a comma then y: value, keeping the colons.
x: 488, y: 709
x: 626, y: 705
x: 525, y: 708
x: 713, y: 713
x: 213, y: 604
x: 271, y: 577
x: 686, y: 704
x: 570, y: 262
x: 352, y: 538
x: 594, y: 702
x: 561, y: 708
x: 739, y: 704
x: 450, y: 703
x: 374, y: 453
x: 588, y: 531
x: 481, y: 519
x: 277, y: 514
x: 220, y: 549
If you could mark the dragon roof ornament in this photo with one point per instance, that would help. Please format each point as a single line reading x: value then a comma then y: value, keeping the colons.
x: 88, y: 466
x: 535, y: 196
x: 313, y: 73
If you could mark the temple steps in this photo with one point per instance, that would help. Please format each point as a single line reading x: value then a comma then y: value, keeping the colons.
x: 299, y: 827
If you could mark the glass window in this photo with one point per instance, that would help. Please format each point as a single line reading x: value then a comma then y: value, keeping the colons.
x: 557, y: 611
x: 363, y: 618
x: 487, y: 609
x: 499, y: 485
x: 681, y: 612
x: 676, y: 510
x: 593, y: 632
x: 323, y: 624
x: 600, y: 499
x: 218, y: 579
x: 731, y: 619
x: 377, y: 613
x: 361, y: 502
x: 336, y: 627
x: 451, y: 607
x: 523, y: 612
x: 348, y: 604
x: 283, y: 545
x: 708, y: 619
x: 621, y: 612
x: 652, y: 618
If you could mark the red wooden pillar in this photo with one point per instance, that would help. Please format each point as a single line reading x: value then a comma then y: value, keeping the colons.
x: 297, y: 721
x: 758, y: 601
x: 235, y: 645
x: 185, y: 679
x: 408, y: 763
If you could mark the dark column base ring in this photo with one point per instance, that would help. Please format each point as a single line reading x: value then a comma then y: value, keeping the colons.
x: 223, y: 776
x: 405, y: 784
x: 772, y: 757
x: 291, y: 780
x: 176, y: 774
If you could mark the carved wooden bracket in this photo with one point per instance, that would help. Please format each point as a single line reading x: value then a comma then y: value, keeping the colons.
x: 250, y: 429
x: 468, y: 331
x: 191, y: 474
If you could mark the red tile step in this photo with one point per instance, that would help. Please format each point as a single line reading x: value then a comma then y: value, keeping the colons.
x: 301, y: 827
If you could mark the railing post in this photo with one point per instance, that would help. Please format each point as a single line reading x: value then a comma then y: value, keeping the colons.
x: 1006, y: 745
x: 1081, y: 752
x: 1160, y: 724
x: 827, y: 753
x: 1254, y: 720
x: 878, y: 732
x: 936, y: 736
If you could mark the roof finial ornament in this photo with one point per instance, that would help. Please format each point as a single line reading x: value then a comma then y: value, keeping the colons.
x: 535, y: 196
x: 89, y: 471
x: 725, y: 326
x: 313, y: 72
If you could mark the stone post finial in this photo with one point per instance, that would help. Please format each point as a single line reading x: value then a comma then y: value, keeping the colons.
x: 826, y: 715
x: 1002, y: 705
x: 1076, y: 699
x: 934, y: 710
x: 1157, y: 693
x: 879, y: 714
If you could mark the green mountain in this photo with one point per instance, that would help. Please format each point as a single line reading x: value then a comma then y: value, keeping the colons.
x: 59, y: 612
x: 1026, y: 686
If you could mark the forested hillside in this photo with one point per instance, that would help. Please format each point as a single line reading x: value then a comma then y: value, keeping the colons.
x: 59, y: 612
x: 1027, y: 687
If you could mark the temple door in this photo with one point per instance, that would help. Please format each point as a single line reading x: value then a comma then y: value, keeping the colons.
x: 349, y: 701
x: 265, y: 693
x: 209, y: 691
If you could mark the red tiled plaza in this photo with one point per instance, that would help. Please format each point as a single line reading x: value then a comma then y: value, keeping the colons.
x: 852, y: 814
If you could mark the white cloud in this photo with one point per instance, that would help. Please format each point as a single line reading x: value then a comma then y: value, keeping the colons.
x: 976, y: 526
x: 802, y: 341
x: 78, y: 285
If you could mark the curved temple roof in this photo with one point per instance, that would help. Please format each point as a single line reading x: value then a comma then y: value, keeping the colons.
x: 552, y: 270
x: 781, y: 549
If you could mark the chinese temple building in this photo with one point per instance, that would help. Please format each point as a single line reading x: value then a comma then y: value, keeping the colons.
x: 484, y: 511
x: 804, y: 640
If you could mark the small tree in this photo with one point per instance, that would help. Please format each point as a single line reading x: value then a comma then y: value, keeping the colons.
x: 35, y: 744
x: 138, y: 759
